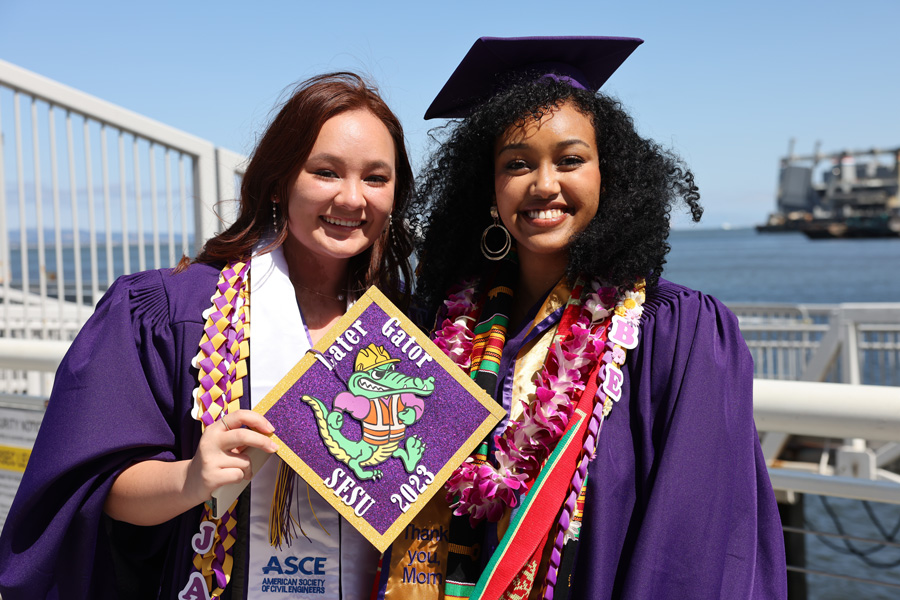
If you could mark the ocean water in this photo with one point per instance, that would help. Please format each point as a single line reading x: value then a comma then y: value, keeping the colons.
x: 744, y: 266
x: 737, y: 265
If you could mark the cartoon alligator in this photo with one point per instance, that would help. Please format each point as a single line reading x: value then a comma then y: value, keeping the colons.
x: 385, y: 402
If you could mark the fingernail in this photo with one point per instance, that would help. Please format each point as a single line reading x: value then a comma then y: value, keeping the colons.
x: 273, y: 447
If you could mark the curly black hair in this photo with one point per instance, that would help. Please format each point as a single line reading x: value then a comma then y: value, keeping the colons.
x: 626, y: 240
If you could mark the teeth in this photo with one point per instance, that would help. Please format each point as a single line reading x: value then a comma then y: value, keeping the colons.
x: 371, y: 386
x: 553, y: 213
x: 342, y: 222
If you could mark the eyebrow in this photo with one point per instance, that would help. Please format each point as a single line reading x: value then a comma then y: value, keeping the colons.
x: 562, y: 144
x: 380, y: 164
x: 375, y: 164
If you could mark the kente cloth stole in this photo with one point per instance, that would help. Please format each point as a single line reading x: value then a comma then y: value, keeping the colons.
x: 536, y: 548
x: 222, y: 365
x: 464, y: 550
x: 537, y: 552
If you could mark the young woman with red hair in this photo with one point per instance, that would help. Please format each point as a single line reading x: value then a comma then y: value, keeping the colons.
x: 114, y: 503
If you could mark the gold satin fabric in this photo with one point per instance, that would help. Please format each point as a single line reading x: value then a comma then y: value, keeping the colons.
x: 419, y: 555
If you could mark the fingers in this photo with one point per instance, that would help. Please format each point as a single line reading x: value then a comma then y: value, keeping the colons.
x: 237, y: 467
x: 214, y: 470
x: 239, y: 439
x: 247, y: 418
x: 223, y: 477
x: 242, y: 429
x: 222, y: 458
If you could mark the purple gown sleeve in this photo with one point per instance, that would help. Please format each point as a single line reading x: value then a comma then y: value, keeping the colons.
x: 679, y: 503
x: 119, y: 397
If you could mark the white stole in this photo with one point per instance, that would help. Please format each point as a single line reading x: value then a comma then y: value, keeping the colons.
x: 278, y: 340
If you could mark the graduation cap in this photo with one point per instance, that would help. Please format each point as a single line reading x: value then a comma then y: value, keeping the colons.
x: 583, y: 61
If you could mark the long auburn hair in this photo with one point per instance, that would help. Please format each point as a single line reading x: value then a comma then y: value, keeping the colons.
x: 276, y: 163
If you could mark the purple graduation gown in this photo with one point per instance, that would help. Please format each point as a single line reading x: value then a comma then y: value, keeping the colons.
x: 679, y: 504
x: 122, y: 394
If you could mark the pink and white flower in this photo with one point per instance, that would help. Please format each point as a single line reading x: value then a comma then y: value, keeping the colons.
x: 483, y: 491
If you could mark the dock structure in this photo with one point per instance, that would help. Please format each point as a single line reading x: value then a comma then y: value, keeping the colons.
x: 100, y: 192
x: 854, y: 179
x: 850, y: 193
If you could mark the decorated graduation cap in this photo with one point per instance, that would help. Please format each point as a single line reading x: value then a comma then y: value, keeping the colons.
x: 583, y: 61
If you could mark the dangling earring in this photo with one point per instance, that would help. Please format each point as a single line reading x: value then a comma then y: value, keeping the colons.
x: 495, y: 254
x: 274, y: 215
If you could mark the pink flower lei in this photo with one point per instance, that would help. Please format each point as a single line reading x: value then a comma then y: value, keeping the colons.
x: 482, y: 490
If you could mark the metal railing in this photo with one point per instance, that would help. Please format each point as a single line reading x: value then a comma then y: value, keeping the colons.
x: 90, y: 191
x: 848, y: 343
x: 838, y: 441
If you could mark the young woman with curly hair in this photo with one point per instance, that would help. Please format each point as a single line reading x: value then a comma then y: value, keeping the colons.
x: 626, y: 239
x: 629, y: 465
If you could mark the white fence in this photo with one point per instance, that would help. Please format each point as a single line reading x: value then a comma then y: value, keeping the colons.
x: 839, y: 441
x: 90, y: 191
x: 849, y: 343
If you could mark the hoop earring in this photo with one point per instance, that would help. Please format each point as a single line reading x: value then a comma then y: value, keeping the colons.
x: 495, y: 254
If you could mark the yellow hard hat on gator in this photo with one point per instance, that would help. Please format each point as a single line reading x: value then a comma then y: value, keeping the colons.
x: 372, y: 356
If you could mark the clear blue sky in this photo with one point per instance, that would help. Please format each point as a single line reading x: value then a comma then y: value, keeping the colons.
x: 726, y: 84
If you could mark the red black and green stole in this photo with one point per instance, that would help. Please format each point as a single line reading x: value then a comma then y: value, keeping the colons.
x: 536, y: 552
x: 464, y: 559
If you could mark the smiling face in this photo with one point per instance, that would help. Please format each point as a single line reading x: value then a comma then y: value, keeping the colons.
x: 547, y: 184
x: 340, y: 201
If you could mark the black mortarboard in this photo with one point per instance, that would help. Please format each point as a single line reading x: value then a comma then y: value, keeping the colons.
x: 584, y: 61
